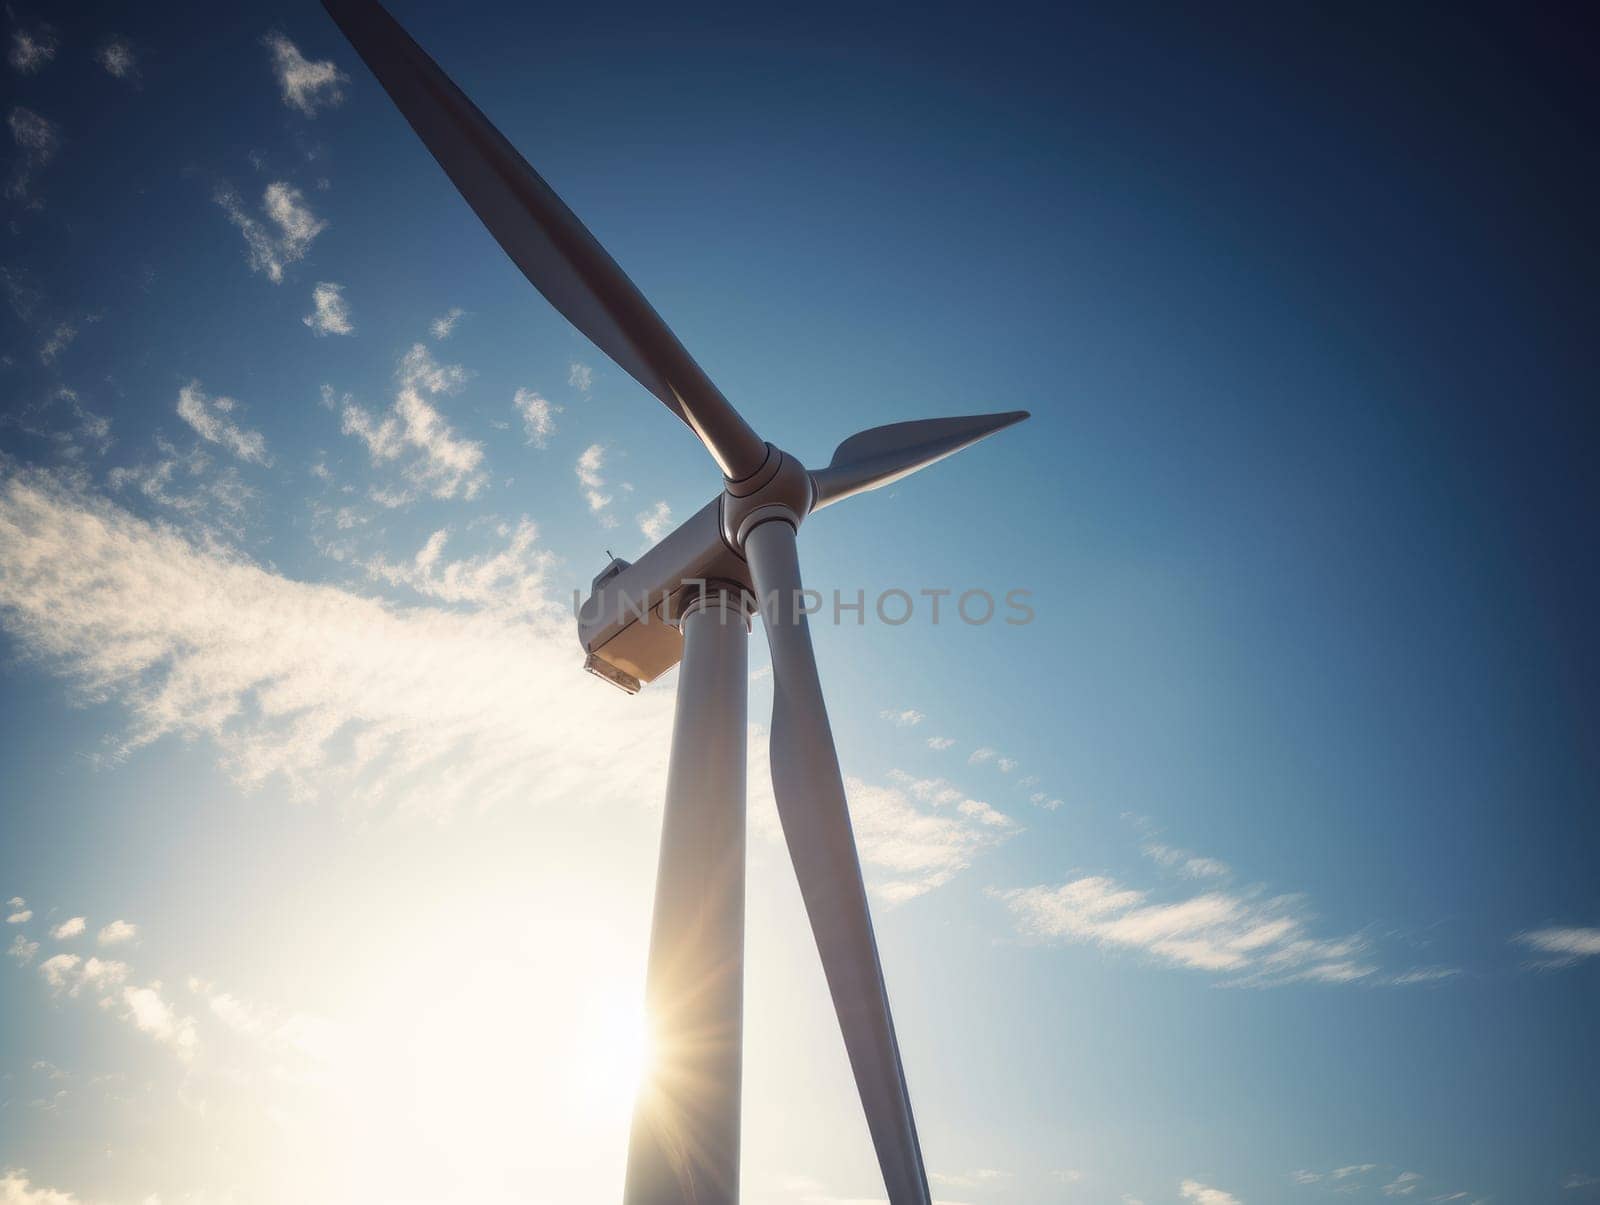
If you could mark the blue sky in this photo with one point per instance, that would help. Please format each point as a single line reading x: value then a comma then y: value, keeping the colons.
x: 1258, y: 868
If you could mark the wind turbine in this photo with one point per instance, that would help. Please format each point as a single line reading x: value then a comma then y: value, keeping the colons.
x: 688, y: 599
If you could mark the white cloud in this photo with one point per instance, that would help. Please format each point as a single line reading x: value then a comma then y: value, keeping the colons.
x: 306, y: 85
x: 30, y: 51
x: 330, y: 314
x: 59, y: 970
x: 1562, y: 946
x: 60, y: 339
x: 212, y: 420
x: 909, y: 718
x: 590, y: 461
x: 915, y: 850
x: 976, y: 809
x: 22, y: 949
x: 151, y: 1014
x: 441, y: 463
x: 1192, y: 865
x: 1006, y: 764
x: 1200, y: 1194
x: 1403, y: 1185
x: 1423, y: 975
x: 655, y: 522
x: 580, y: 376
x: 417, y: 706
x: 272, y: 250
x: 1254, y: 938
x: 218, y: 496
x: 929, y: 790
x: 69, y: 929
x: 977, y: 1178
x: 117, y: 931
x: 538, y: 416
x: 1040, y: 800
x: 39, y: 139
x: 20, y: 917
x: 940, y: 743
x: 510, y: 581
x: 445, y: 324
x: 118, y: 58
x: 979, y: 756
x: 17, y: 1189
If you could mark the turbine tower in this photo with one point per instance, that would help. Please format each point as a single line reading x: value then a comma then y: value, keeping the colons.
x: 690, y: 599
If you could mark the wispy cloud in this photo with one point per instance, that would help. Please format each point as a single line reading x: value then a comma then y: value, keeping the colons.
x: 59, y: 340
x: 286, y: 234
x: 440, y: 462
x: 940, y: 743
x: 212, y: 419
x: 188, y: 483
x: 590, y: 463
x: 908, y: 851
x: 118, y: 58
x: 655, y: 522
x: 38, y: 140
x: 445, y: 324
x: 920, y: 849
x: 1193, y: 865
x: 977, y: 1178
x: 1348, y: 1172
x: 63, y: 420
x: 1251, y: 937
x: 150, y: 1012
x: 1201, y: 1194
x: 1561, y: 946
x: 1403, y: 1185
x: 910, y: 717
x: 509, y: 581
x: 306, y: 85
x: 538, y: 416
x: 17, y: 1189
x: 580, y: 376
x: 330, y: 313
x: 421, y: 707
x: 31, y: 50
x: 22, y: 949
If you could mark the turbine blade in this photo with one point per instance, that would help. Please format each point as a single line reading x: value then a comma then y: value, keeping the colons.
x: 543, y: 237
x: 816, y: 825
x: 877, y: 457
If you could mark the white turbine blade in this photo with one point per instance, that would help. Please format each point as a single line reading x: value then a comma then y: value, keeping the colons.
x: 816, y: 825
x: 543, y: 237
x: 882, y: 455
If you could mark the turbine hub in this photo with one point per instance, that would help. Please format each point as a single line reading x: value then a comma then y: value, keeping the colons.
x: 780, y: 489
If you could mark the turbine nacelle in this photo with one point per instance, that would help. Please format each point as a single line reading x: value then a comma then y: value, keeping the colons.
x: 628, y: 625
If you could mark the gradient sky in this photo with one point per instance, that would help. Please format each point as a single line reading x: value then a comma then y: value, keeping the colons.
x: 1260, y: 867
